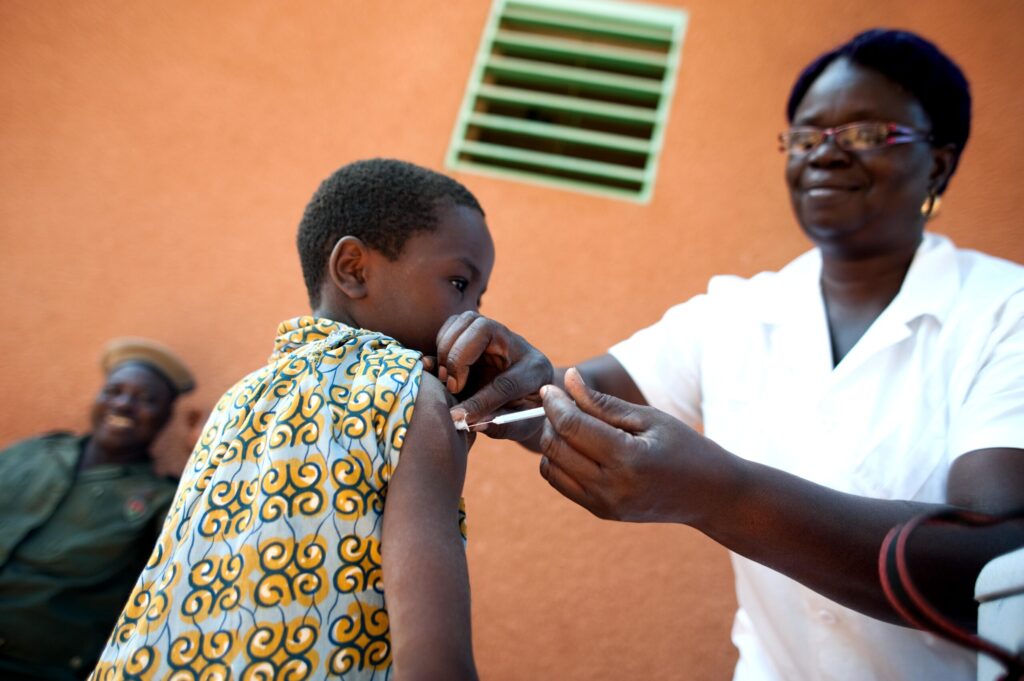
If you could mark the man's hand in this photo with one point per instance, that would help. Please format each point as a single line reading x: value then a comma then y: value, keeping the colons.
x: 493, y: 369
x: 622, y: 461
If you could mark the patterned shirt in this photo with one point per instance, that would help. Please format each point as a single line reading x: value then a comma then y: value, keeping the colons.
x: 269, y: 564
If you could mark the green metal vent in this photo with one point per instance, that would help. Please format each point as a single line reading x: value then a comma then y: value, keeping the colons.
x: 571, y: 93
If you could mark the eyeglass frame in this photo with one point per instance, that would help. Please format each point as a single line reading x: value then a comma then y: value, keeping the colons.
x: 897, y: 134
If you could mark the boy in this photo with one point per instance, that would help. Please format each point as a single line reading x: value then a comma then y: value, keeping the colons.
x: 279, y: 548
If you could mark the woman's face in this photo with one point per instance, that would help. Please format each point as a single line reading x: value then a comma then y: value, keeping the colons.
x: 864, y: 203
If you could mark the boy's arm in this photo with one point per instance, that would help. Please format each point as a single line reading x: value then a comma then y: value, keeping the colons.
x: 426, y: 580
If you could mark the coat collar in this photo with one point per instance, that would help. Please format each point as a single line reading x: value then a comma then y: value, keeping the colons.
x: 928, y: 290
x: 293, y: 333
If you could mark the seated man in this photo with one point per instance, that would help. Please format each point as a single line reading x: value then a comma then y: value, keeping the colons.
x: 79, y: 516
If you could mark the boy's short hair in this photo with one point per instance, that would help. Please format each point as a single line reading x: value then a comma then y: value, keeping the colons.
x: 380, y: 201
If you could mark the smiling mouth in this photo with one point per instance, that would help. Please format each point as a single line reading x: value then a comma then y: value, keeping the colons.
x: 117, y: 421
x: 821, y: 191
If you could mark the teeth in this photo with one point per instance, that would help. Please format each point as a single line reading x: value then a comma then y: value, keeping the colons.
x: 120, y: 421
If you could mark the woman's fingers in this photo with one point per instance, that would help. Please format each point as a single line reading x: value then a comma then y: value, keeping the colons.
x: 613, y: 411
x: 564, y: 483
x: 461, y: 342
x: 506, y: 367
x: 506, y: 387
x: 581, y: 468
x: 588, y: 433
x: 430, y: 364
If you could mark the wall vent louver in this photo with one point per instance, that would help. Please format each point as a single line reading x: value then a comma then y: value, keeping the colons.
x: 571, y: 93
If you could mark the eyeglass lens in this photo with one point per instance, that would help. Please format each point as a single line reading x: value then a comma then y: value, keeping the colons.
x: 855, y: 137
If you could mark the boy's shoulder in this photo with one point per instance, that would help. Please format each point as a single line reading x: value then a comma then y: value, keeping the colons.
x: 432, y: 428
x: 433, y: 390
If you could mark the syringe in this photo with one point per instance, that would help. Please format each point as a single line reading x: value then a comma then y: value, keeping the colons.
x: 504, y: 418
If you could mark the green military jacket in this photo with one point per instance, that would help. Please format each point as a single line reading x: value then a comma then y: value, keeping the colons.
x: 72, y: 544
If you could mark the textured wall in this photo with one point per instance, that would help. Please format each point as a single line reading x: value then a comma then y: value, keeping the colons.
x: 156, y: 158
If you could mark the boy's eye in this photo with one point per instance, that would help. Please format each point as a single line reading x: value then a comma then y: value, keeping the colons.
x: 460, y: 284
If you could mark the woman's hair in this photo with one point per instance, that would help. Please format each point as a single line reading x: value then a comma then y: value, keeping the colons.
x: 380, y: 201
x: 915, y: 64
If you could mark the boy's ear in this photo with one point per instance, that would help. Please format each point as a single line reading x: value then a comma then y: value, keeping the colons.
x: 347, y: 266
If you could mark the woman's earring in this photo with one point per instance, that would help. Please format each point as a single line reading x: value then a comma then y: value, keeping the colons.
x: 930, y: 207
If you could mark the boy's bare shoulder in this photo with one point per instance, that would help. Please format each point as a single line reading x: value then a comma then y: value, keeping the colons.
x: 432, y: 390
x: 432, y: 439
x: 432, y: 404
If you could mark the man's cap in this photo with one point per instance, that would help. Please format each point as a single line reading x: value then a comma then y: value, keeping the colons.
x: 155, y: 355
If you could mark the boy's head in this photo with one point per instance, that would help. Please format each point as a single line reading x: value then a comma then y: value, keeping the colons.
x: 392, y: 247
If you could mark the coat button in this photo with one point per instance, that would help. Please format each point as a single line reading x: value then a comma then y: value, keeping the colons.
x: 827, y: 617
x: 75, y: 662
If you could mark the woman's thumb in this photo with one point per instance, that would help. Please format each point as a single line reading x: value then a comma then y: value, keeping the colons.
x: 613, y: 411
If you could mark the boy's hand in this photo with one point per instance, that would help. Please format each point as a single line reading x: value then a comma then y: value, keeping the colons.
x: 495, y: 369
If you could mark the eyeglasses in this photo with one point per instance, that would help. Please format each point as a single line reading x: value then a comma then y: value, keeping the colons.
x: 860, y: 136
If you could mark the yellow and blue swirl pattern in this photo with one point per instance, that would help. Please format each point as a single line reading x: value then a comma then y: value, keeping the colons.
x: 269, y: 563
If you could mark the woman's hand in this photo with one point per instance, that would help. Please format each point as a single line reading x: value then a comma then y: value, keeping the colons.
x: 494, y: 369
x: 622, y: 461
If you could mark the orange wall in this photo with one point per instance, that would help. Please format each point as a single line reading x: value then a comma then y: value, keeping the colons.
x: 156, y: 158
